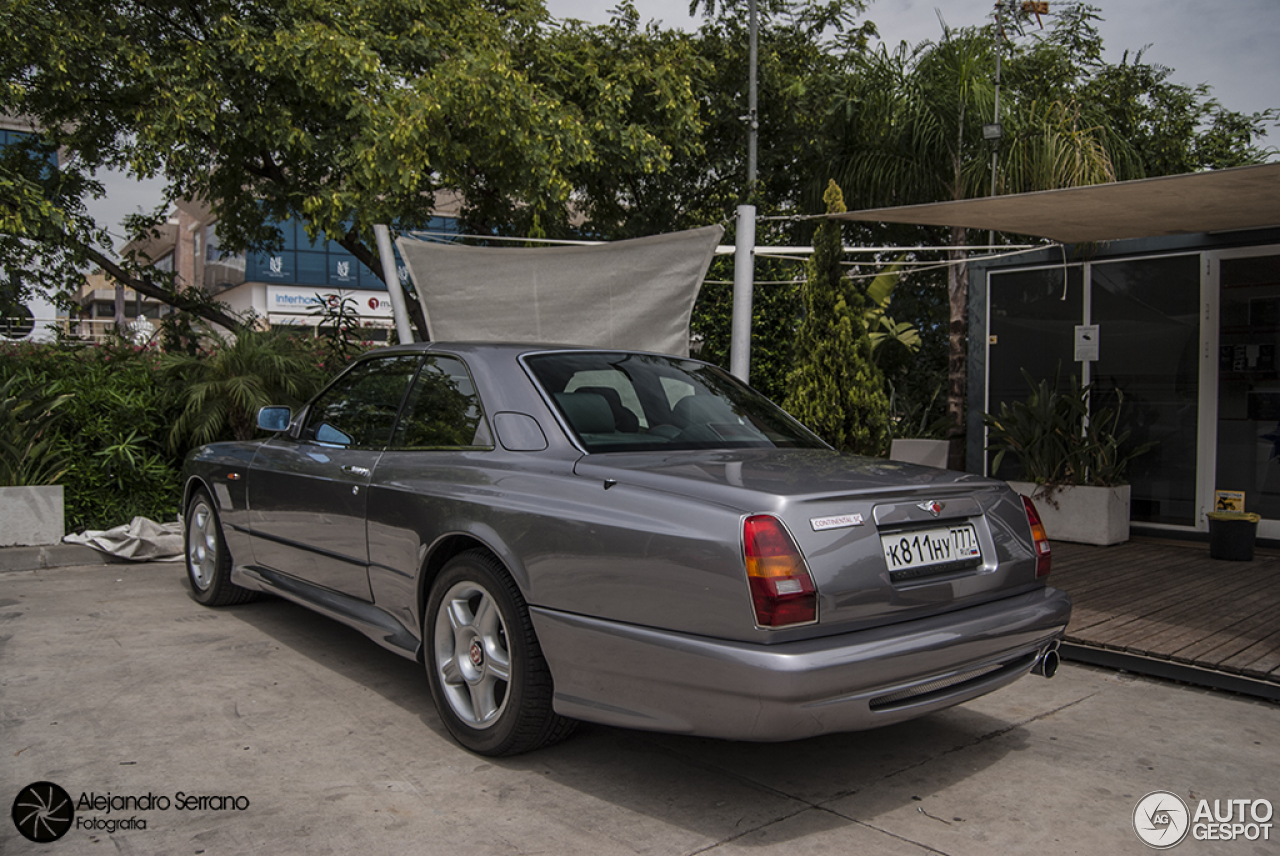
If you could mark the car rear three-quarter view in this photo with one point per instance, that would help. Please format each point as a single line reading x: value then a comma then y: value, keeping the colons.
x: 640, y: 540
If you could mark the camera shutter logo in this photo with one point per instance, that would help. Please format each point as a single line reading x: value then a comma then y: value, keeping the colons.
x: 43, y: 812
x: 1161, y: 819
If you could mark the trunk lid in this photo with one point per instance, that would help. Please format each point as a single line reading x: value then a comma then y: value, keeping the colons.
x: 861, y: 523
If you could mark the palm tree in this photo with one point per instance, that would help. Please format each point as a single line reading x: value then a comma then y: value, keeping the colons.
x: 223, y: 388
x: 909, y: 130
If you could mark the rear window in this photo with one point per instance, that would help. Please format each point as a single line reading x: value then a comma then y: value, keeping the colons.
x: 618, y: 402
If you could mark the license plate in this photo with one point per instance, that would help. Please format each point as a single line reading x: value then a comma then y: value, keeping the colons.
x: 925, y: 552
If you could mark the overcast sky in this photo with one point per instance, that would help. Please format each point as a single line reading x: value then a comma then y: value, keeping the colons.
x: 1233, y: 45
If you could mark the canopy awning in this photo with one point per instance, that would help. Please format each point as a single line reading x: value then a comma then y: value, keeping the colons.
x: 1246, y: 197
x: 635, y: 294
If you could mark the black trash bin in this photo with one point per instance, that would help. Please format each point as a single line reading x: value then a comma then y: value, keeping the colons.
x: 1231, y: 535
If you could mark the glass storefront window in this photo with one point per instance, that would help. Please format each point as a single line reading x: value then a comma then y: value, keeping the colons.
x: 311, y: 268
x: 1031, y: 326
x: 1147, y: 312
x: 1249, y: 382
x: 221, y: 270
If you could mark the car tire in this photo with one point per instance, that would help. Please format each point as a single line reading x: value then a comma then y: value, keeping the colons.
x: 488, y: 678
x: 208, y: 560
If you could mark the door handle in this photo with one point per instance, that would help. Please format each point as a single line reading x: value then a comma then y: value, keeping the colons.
x: 356, y: 471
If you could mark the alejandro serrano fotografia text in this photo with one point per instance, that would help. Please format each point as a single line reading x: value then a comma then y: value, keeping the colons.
x: 180, y: 801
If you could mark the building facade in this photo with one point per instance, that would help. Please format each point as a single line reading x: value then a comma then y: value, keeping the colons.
x: 1185, y: 328
x: 33, y: 319
x: 284, y: 287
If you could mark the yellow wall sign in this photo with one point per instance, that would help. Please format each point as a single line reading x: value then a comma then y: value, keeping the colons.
x: 1228, y: 500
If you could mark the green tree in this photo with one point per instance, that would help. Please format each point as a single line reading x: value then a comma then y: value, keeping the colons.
x: 805, y: 48
x: 836, y: 388
x: 907, y: 129
x: 339, y: 114
x: 1150, y: 125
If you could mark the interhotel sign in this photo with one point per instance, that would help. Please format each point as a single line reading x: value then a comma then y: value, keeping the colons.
x: 303, y: 300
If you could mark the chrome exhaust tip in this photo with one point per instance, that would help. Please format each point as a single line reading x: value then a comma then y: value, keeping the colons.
x: 1047, y: 663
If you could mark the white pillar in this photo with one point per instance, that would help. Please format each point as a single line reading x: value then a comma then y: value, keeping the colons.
x: 743, y: 281
x: 404, y: 330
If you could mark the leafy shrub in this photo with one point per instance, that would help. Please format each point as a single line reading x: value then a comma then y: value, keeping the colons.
x: 1057, y: 441
x: 111, y: 429
x: 28, y: 433
x: 221, y: 389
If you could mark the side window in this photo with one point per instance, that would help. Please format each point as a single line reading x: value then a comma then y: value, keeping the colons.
x: 443, y: 410
x: 360, y: 408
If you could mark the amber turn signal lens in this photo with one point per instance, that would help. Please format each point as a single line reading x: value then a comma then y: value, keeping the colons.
x: 1038, y: 537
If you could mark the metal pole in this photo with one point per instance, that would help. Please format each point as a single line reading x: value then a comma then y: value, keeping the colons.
x: 119, y: 307
x: 404, y: 330
x: 743, y: 278
x: 744, y: 272
x: 753, y: 122
x: 995, y: 150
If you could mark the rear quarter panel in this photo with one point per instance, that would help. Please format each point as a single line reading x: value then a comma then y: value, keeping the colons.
x: 623, y: 553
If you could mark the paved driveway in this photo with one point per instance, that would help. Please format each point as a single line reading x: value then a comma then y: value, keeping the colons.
x: 307, y: 738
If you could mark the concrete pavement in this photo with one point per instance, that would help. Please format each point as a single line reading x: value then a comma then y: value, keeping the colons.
x: 313, y: 740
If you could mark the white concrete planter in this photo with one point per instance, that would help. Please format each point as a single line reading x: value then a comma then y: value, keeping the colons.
x: 1085, y: 515
x: 31, y: 516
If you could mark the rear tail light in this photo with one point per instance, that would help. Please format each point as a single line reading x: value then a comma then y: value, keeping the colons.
x: 782, y: 589
x: 1038, y: 538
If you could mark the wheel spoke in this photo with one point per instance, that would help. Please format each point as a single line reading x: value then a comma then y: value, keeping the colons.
x: 482, y: 705
x: 486, y: 618
x: 459, y: 614
x: 499, y: 664
x: 450, y: 672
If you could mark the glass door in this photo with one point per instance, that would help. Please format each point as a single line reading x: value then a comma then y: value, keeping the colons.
x: 1031, y: 325
x: 1148, y: 316
x: 1248, y: 423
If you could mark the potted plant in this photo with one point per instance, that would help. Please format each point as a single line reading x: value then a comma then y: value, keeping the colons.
x: 1073, y: 461
x: 31, y: 504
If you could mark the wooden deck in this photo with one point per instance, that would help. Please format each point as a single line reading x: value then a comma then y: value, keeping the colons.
x: 1168, y: 601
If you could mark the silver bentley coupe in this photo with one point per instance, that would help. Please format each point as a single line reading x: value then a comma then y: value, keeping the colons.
x: 561, y: 534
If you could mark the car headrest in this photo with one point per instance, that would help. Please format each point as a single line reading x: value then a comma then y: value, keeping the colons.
x: 587, y: 412
x: 624, y: 419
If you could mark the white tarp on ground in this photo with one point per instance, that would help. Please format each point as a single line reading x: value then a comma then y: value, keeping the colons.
x: 635, y: 294
x: 142, y: 540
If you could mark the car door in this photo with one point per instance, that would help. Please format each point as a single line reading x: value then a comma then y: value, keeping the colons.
x: 433, y: 478
x: 308, y: 494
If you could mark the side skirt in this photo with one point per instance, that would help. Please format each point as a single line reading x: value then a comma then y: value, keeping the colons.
x: 372, y: 621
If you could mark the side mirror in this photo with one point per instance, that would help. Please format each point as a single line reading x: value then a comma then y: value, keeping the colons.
x: 275, y: 419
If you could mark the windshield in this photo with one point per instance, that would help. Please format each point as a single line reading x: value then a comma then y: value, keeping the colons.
x: 620, y: 402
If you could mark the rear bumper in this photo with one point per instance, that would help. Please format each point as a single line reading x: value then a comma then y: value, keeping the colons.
x: 637, y: 677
